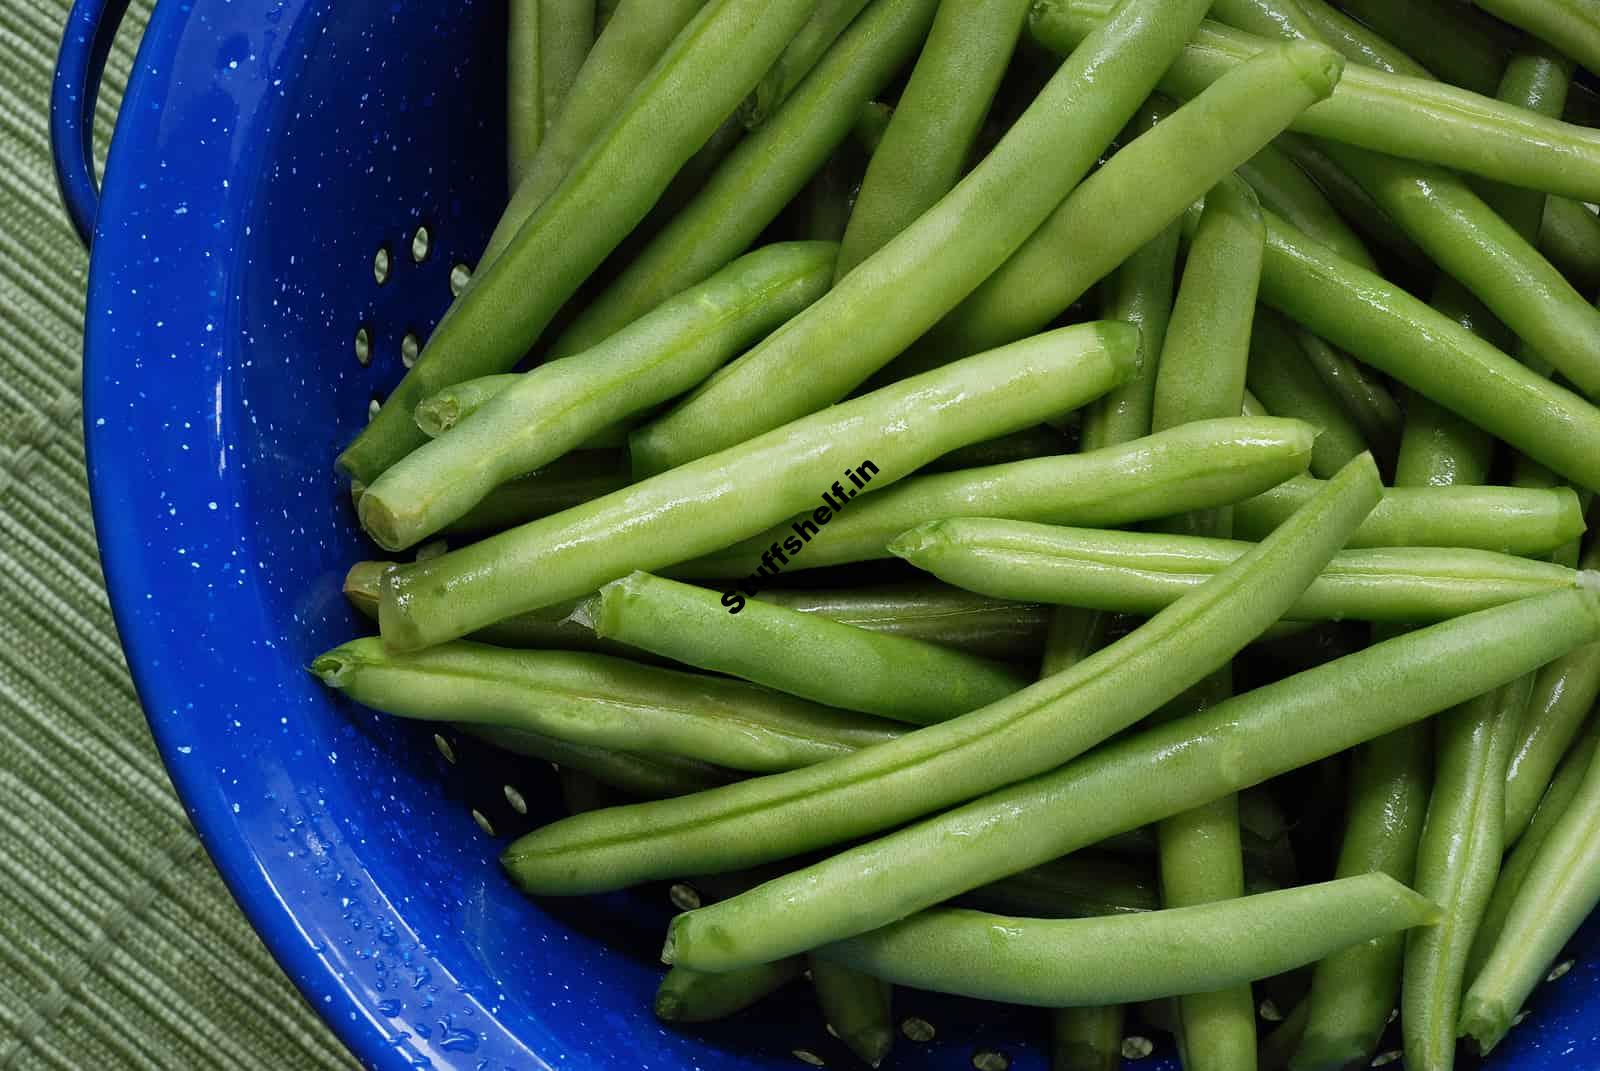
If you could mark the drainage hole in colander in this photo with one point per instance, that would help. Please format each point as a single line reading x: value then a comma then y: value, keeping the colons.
x: 364, y: 345
x: 374, y: 403
x: 806, y: 1056
x: 991, y: 1060
x: 421, y: 244
x: 410, y: 346
x: 483, y: 822
x: 381, y: 263
x: 445, y: 749
x: 460, y: 276
x: 917, y: 1029
x: 1135, y: 1047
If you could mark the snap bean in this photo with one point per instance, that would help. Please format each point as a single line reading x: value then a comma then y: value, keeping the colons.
x: 1196, y: 466
x: 820, y: 355
x: 709, y: 66
x: 686, y: 996
x: 800, y: 654
x: 1142, y: 778
x: 599, y: 701
x: 719, y: 499
x: 940, y: 765
x: 856, y: 1007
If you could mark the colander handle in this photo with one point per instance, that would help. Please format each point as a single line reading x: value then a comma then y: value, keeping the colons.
x: 91, y: 30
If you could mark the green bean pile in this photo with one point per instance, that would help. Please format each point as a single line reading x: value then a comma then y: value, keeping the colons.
x: 1077, y: 503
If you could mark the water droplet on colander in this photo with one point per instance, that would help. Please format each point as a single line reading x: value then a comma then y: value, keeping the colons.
x: 390, y: 1007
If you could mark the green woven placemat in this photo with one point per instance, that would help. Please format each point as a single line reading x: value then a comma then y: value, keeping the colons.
x: 119, y: 945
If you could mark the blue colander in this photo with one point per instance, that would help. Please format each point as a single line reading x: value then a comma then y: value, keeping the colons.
x: 293, y: 189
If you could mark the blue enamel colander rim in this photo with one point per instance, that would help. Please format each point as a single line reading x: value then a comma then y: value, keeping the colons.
x: 269, y: 155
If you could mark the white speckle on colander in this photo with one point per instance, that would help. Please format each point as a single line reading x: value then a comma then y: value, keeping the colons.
x: 683, y: 897
x: 1558, y: 970
x: 991, y: 1060
x: 1135, y: 1047
x: 483, y: 823
x: 514, y: 798
x: 1384, y: 1059
x: 806, y: 1056
x: 917, y: 1029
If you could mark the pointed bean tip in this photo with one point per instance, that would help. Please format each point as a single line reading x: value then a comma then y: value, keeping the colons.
x: 668, y: 1006
x: 909, y: 545
x: 872, y: 1044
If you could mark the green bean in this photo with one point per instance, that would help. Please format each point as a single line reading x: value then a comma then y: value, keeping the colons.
x: 1141, y: 572
x: 820, y: 355
x: 524, y: 87
x: 1073, y: 636
x: 762, y: 174
x: 959, y: 620
x: 633, y: 40
x: 1357, y: 42
x: 1519, y: 861
x: 1286, y: 383
x: 1201, y: 373
x: 1390, y: 330
x: 710, y: 65
x: 444, y: 409
x: 1420, y: 120
x: 1202, y: 862
x: 1139, y: 188
x: 1125, y: 784
x: 956, y: 619
x: 935, y: 123
x: 1570, y: 236
x: 1457, y: 860
x: 1563, y: 694
x: 1455, y: 42
x: 599, y: 701
x: 686, y: 996
x: 556, y: 627
x: 1511, y: 520
x: 1079, y: 886
x: 1354, y: 204
x: 645, y: 776
x: 822, y: 210
x: 799, y: 654
x: 603, y: 12
x: 557, y: 406
x: 1025, y: 445
x: 1536, y: 78
x: 1068, y: 962
x: 728, y: 496
x: 1139, y: 291
x: 1086, y: 1039
x: 1279, y: 1046
x: 1288, y: 191
x: 1197, y: 466
x: 1571, y: 26
x: 1354, y: 992
x: 560, y: 485
x: 828, y: 21
x: 566, y: 34
x: 1557, y: 894
x: 1487, y: 256
x: 856, y: 1007
x: 581, y: 793
x: 1024, y: 734
x: 1367, y: 401
x: 871, y: 124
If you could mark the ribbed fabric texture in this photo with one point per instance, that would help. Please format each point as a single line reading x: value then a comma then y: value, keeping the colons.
x: 119, y: 945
